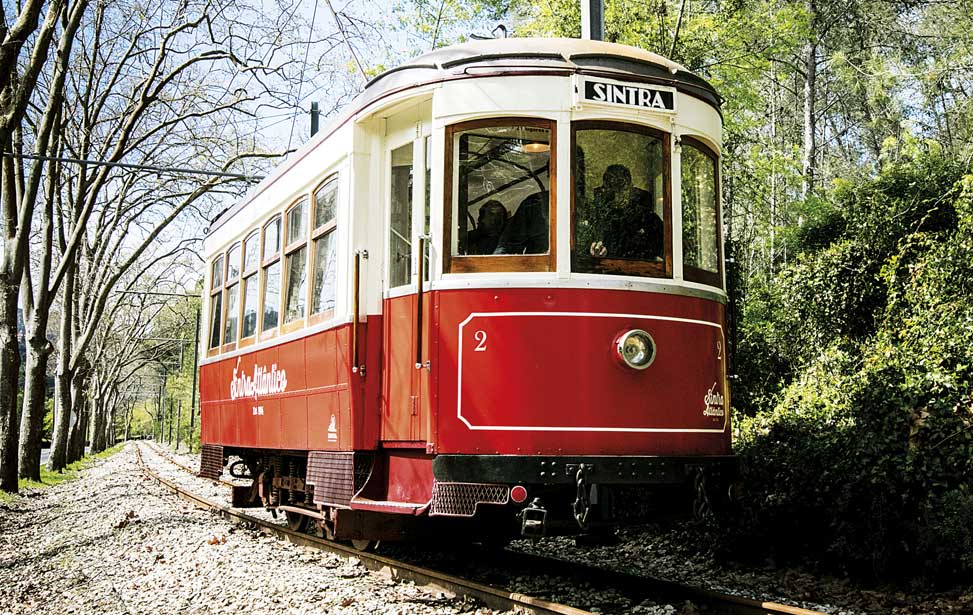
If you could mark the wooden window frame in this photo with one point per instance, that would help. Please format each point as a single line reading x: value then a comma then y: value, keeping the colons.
x: 246, y: 274
x: 265, y: 263
x: 288, y: 248
x: 503, y: 262
x: 316, y: 233
x: 227, y: 284
x: 619, y: 266
x: 212, y: 351
x: 696, y: 274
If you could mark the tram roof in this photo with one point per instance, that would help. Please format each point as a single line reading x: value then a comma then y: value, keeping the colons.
x: 506, y: 56
x: 525, y: 55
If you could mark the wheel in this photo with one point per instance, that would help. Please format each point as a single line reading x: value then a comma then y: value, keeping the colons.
x: 364, y: 545
x: 296, y: 521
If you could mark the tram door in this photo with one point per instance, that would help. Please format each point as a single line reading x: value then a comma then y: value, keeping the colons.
x: 404, y: 411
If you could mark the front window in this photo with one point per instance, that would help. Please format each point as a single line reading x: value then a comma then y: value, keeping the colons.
x: 499, y: 185
x: 621, y: 220
x: 700, y: 214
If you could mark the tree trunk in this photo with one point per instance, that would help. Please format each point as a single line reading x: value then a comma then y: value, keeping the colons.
x: 98, y: 411
x: 9, y: 380
x: 810, y: 91
x: 129, y: 413
x: 62, y: 380
x: 79, y: 408
x: 35, y: 391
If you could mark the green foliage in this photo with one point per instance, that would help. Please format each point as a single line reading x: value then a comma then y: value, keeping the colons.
x: 865, y: 461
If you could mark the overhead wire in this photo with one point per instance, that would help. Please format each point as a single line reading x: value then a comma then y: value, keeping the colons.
x: 300, y: 83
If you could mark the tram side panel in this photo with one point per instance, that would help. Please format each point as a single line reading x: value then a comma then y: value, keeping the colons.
x: 299, y: 395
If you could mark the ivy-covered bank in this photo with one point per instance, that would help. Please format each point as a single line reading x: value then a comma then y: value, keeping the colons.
x: 856, y: 365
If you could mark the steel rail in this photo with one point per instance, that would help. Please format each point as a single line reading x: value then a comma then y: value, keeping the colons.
x: 629, y: 583
x: 161, y: 453
x: 490, y: 596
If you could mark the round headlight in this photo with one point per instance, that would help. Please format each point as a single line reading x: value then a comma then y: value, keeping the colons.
x: 636, y: 349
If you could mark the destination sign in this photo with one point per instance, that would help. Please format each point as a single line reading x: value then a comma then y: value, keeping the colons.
x: 643, y: 96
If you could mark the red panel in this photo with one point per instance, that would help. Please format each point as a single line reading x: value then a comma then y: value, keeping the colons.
x: 268, y: 424
x: 293, y: 423
x: 410, y: 477
x: 228, y: 424
x: 538, y: 377
x: 325, y: 422
x: 290, y: 358
x: 209, y: 423
x: 322, y: 364
x: 400, y: 371
x: 367, y: 395
x: 345, y: 420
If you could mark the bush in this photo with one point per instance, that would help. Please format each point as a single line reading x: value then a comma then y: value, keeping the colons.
x: 864, y: 462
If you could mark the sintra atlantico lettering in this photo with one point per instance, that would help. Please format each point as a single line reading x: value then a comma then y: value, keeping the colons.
x: 263, y: 382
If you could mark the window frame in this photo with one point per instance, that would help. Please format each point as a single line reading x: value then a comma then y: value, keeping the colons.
x: 227, y: 284
x: 213, y: 350
x: 329, y: 227
x: 245, y: 275
x: 619, y: 266
x: 289, y: 247
x: 265, y: 263
x: 501, y: 263
x: 696, y: 274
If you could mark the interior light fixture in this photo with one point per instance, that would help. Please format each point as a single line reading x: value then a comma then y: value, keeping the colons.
x: 536, y: 147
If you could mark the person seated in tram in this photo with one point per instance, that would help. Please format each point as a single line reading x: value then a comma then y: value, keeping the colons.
x: 528, y: 230
x: 620, y: 221
x: 491, y: 220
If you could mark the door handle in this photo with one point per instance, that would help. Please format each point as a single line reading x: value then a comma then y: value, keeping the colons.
x: 419, y: 303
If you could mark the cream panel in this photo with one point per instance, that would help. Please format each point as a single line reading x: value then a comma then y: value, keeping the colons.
x: 505, y: 96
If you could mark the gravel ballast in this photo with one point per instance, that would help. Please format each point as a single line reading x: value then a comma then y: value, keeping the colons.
x: 114, y: 541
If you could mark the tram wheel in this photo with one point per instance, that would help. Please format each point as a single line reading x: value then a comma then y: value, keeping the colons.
x: 296, y: 521
x: 364, y: 545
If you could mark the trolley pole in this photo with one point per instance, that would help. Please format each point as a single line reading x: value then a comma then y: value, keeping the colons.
x: 593, y: 20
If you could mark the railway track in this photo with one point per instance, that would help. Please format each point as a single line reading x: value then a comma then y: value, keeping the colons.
x: 634, y: 587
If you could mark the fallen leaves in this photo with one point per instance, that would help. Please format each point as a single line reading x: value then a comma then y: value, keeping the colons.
x: 128, y: 518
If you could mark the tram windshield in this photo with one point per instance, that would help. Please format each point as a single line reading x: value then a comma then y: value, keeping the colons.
x: 620, y: 206
x: 502, y: 179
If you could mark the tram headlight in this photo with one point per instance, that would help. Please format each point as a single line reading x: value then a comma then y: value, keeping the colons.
x: 636, y: 349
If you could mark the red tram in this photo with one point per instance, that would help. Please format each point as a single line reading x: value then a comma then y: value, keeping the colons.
x: 489, y: 297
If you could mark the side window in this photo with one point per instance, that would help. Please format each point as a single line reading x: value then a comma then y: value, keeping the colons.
x: 216, y: 302
x: 499, y: 209
x: 324, y: 245
x: 400, y: 217
x: 251, y: 284
x: 621, y: 222
x: 295, y: 263
x: 270, y: 259
x: 232, y: 294
x: 700, y: 214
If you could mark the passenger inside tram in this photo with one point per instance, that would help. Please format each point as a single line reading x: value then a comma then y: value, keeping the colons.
x: 527, y: 232
x: 490, y: 223
x: 621, y: 221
